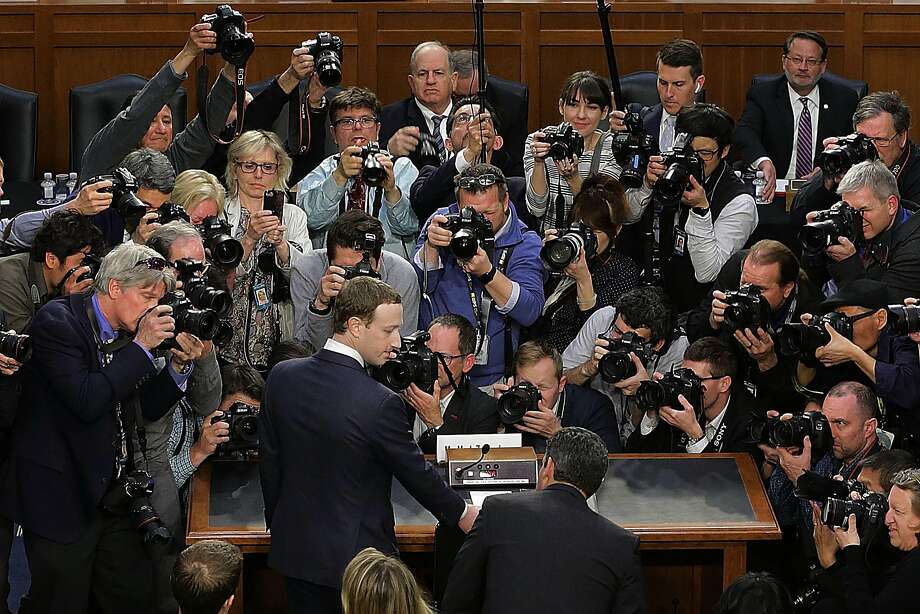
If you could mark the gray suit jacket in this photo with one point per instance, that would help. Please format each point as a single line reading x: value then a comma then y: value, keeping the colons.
x: 22, y: 291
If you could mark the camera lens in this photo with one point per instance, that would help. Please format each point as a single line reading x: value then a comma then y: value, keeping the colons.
x: 616, y: 366
x: 560, y: 253
x: 373, y: 172
x: 650, y: 395
x: 245, y: 427
x: 203, y: 323
x: 513, y: 405
x: 835, y: 512
x: 817, y: 236
x: 464, y: 244
x: 226, y: 251
x: 329, y: 68
x: 396, y: 374
x: 905, y: 319
x: 17, y: 347
x: 631, y: 176
x: 204, y: 297
x: 672, y: 184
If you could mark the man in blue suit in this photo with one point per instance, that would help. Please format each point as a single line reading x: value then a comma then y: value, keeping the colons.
x: 332, y: 440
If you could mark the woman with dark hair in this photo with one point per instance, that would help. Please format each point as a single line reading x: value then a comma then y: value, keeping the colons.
x: 591, y: 280
x: 755, y: 593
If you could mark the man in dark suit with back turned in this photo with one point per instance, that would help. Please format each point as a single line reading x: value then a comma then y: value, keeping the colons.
x: 786, y: 117
x: 332, y: 440
x: 546, y: 550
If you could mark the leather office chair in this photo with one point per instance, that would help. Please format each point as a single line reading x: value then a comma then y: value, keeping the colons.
x: 860, y: 87
x: 93, y: 106
x: 18, y: 133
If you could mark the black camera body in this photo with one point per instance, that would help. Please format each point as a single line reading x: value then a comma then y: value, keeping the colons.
x: 681, y: 163
x: 869, y: 508
x: 225, y: 251
x: 841, y: 220
x: 564, y: 141
x: 850, y: 150
x: 904, y: 319
x: 747, y: 308
x: 632, y: 150
x: 414, y: 364
x: 567, y: 247
x: 124, y: 196
x: 654, y: 394
x: 372, y: 171
x: 93, y: 262
x: 171, y: 212
x: 517, y: 401
x: 616, y: 365
x: 327, y: 50
x: 234, y: 44
x: 791, y: 433
x: 472, y: 230
x: 203, y: 323
x: 191, y: 274
x: 130, y: 494
x: 367, y: 245
x: 803, y: 340
x: 243, y: 420
x: 17, y: 347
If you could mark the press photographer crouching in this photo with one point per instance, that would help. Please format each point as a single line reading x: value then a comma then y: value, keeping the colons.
x: 538, y: 401
x: 93, y: 382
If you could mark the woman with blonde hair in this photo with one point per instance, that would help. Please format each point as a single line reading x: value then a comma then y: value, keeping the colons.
x: 200, y: 193
x: 375, y: 583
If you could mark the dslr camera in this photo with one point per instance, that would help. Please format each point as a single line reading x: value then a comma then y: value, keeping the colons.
x: 93, y: 262
x: 616, y: 365
x: 225, y: 251
x: 517, y: 401
x: 472, y: 230
x: 568, y: 246
x: 414, y: 364
x: 326, y: 50
x: 131, y: 494
x: 841, y: 220
x: 17, y: 347
x: 791, y: 433
x: 367, y: 245
x: 234, y: 44
x: 244, y: 432
x: 171, y: 212
x: 904, y: 319
x: 632, y: 150
x: 124, y: 196
x: 682, y: 162
x: 372, y: 171
x: 203, y: 323
x: 802, y: 340
x: 747, y: 308
x: 850, y: 150
x: 841, y: 498
x: 664, y: 392
x: 564, y: 141
x: 191, y: 274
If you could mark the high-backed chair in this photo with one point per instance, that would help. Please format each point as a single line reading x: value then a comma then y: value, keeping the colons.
x: 18, y: 133
x: 642, y: 87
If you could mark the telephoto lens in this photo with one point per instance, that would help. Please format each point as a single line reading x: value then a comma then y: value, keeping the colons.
x: 517, y: 401
x: 904, y: 319
x: 565, y: 249
x: 17, y: 347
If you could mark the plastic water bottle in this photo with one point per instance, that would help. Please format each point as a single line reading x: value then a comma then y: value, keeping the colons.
x: 71, y: 183
x: 48, y: 187
x: 60, y: 186
x: 759, y: 185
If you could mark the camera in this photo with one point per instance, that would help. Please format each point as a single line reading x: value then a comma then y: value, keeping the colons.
x: 124, y: 196
x: 803, y: 340
x: 850, y: 150
x: 472, y: 230
x: 414, y: 364
x: 203, y: 323
x: 243, y: 420
x: 632, y: 150
x: 664, y: 392
x: 372, y: 171
x: 806, y: 599
x: 93, y: 262
x: 870, y: 509
x: 564, y: 141
x: 829, y: 225
x: 17, y: 347
x: 171, y: 212
x: 747, y: 308
x: 223, y: 335
x: 226, y: 251
x: 191, y: 274
x: 367, y: 245
x: 517, y: 401
x: 681, y: 163
x: 326, y: 50
x: 234, y: 44
x: 904, y: 319
x: 791, y: 433
x: 616, y: 365
x: 568, y: 246
x: 131, y: 493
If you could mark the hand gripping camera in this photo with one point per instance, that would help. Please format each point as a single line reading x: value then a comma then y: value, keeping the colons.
x: 802, y: 340
x: 616, y: 365
x: 203, y: 323
x: 841, y: 220
x: 472, y: 230
x: 564, y: 141
x: 326, y: 50
x: 791, y: 433
x: 234, y: 44
x: 17, y: 347
x: 372, y: 171
x: 681, y: 163
x: 664, y: 392
x: 632, y: 150
x: 225, y: 251
x: 367, y: 245
x: 568, y: 246
x: 747, y: 308
x: 93, y: 262
x: 850, y: 150
x: 191, y: 274
x: 243, y: 420
x: 124, y: 196
x: 517, y: 401
x: 414, y: 364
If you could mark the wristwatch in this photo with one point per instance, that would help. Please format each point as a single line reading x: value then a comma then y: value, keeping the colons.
x: 488, y: 277
x: 320, y: 107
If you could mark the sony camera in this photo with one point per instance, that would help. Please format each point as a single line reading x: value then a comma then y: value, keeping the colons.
x: 517, y: 401
x: 564, y: 141
x: 568, y: 246
x: 802, y: 340
x: 616, y: 365
x: 414, y: 364
x: 171, y: 212
x: 93, y: 262
x: 791, y: 433
x: 632, y: 150
x: 203, y: 323
x: 243, y: 420
x: 131, y: 494
x: 841, y: 220
x: 326, y: 50
x: 124, y: 196
x: 747, y: 308
x: 472, y: 230
x: 681, y: 163
x: 850, y: 150
x: 904, y: 319
x: 225, y: 251
x: 372, y: 171
x: 664, y: 392
x: 191, y: 274
x: 17, y: 347
x: 234, y: 44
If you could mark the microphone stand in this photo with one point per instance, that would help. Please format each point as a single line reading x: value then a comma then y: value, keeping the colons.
x: 603, y: 13
x: 479, y: 8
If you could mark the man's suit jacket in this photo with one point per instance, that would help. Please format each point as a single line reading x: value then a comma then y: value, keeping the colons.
x: 651, y: 121
x: 470, y: 411
x: 766, y: 125
x: 545, y: 551
x: 510, y: 100
x: 63, y: 457
x: 588, y: 409
x: 332, y: 440
x: 399, y: 115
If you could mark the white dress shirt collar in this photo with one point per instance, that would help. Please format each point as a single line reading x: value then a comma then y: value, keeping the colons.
x: 340, y: 348
x: 814, y: 98
x: 428, y: 114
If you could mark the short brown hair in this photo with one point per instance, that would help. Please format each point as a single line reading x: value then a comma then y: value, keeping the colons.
x: 360, y: 297
x: 354, y: 98
x: 715, y: 353
x: 375, y: 583
x: 682, y: 52
x: 601, y: 204
x: 532, y: 352
x: 769, y: 251
x: 205, y: 576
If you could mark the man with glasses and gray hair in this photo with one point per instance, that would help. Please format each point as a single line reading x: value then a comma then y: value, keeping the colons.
x: 92, y: 381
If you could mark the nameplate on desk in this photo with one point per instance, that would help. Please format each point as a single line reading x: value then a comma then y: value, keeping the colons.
x: 782, y: 185
x: 510, y: 440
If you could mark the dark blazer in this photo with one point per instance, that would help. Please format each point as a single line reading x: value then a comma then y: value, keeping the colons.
x: 63, y: 457
x: 766, y: 125
x: 588, y: 409
x: 470, y: 411
x: 510, y: 100
x: 399, y: 115
x: 651, y: 120
x: 545, y: 551
x: 332, y: 440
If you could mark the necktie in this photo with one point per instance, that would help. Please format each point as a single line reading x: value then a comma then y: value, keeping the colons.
x: 438, y: 141
x: 356, y: 195
x: 804, y: 149
x: 667, y: 135
x: 710, y: 432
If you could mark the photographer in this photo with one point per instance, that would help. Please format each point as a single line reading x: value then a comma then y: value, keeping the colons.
x: 877, y: 472
x: 889, y: 248
x: 354, y: 247
x: 200, y: 194
x: 641, y: 312
x: 455, y: 406
x: 717, y: 421
x: 598, y: 274
x: 360, y: 176
x: 554, y: 403
x: 499, y: 290
x: 87, y: 387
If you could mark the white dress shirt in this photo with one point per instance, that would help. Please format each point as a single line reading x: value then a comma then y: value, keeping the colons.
x: 814, y: 108
x: 649, y: 423
x: 420, y: 427
x: 340, y: 348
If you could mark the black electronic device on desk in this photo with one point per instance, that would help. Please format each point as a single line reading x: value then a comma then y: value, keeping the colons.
x: 486, y: 467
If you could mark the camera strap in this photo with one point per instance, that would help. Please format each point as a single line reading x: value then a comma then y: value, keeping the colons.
x: 202, y: 94
x: 483, y: 307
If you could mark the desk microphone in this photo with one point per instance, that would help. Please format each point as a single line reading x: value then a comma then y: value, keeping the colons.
x: 482, y: 454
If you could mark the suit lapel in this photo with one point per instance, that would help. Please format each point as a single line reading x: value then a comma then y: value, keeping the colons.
x: 415, y: 116
x: 824, y: 115
x: 453, y: 415
x: 786, y: 128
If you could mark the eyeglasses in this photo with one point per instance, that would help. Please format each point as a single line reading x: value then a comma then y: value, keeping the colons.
x: 462, y: 119
x: 154, y: 263
x: 354, y: 123
x: 448, y: 358
x: 810, y: 62
x: 883, y: 141
x: 481, y: 181
x: 706, y: 154
x: 248, y: 166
